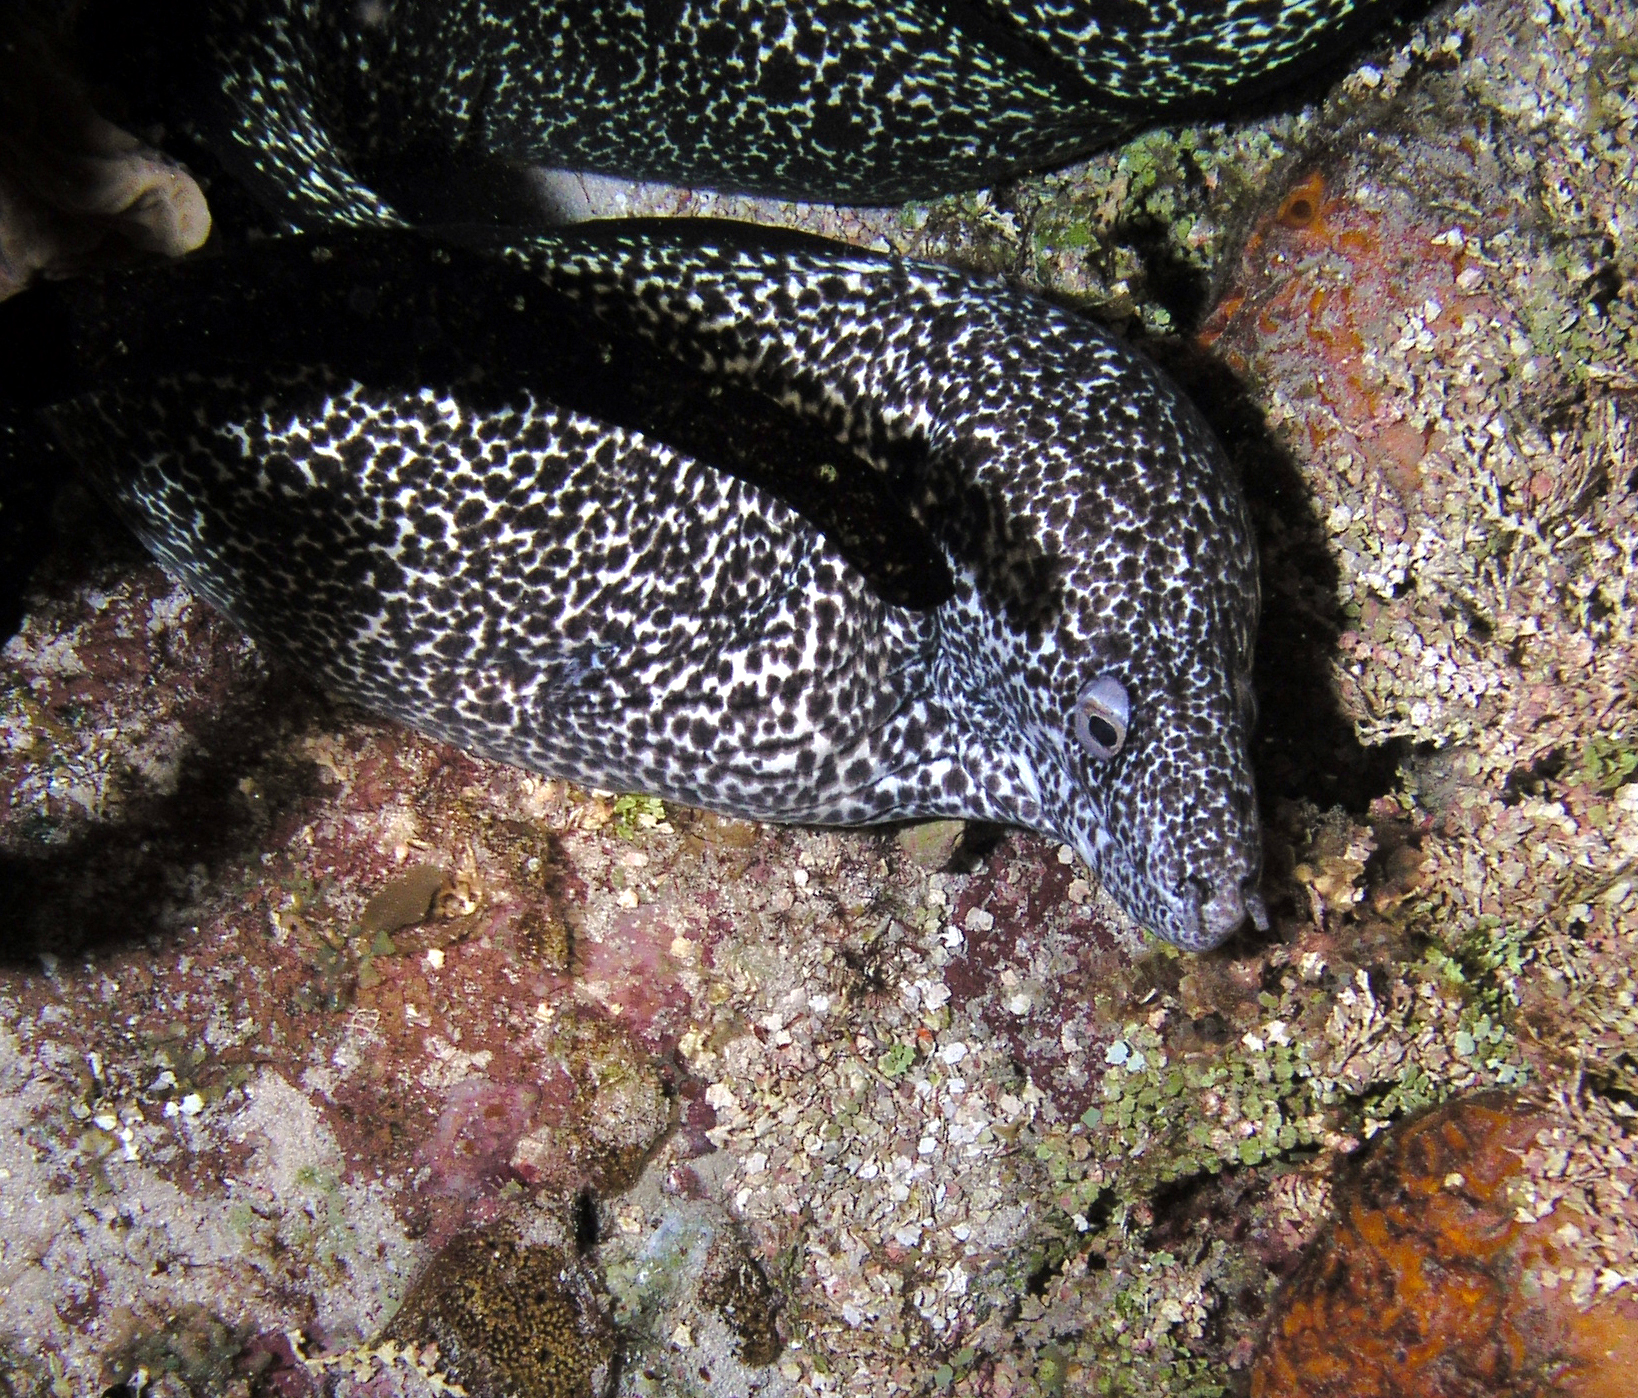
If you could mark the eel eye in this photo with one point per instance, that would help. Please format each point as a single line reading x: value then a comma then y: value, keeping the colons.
x: 1100, y: 717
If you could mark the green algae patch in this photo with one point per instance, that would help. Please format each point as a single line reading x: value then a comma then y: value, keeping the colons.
x: 633, y: 813
x: 188, y: 1347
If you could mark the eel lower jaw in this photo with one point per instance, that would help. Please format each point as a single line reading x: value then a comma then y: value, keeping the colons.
x: 1222, y: 914
x: 1197, y: 922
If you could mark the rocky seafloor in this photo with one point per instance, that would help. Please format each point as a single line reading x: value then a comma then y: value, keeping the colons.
x: 333, y: 1060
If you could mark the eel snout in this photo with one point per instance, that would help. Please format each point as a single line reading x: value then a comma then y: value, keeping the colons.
x: 1225, y: 905
x: 1200, y: 902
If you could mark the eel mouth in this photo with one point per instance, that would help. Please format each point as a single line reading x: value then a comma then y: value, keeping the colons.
x: 1209, y: 914
x: 1229, y: 905
x: 1200, y: 914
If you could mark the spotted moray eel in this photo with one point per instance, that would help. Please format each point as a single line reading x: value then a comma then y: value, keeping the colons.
x: 578, y: 501
x: 856, y: 101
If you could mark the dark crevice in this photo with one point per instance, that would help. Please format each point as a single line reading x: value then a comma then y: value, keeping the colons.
x: 1169, y: 278
x: 127, y: 877
x: 1305, y: 747
x: 430, y: 185
x: 31, y: 476
x: 1098, y: 1213
x: 587, y: 1227
x: 1041, y: 1277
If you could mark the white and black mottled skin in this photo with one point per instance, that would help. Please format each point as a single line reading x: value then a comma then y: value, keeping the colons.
x: 562, y: 590
x: 857, y: 101
x: 586, y: 601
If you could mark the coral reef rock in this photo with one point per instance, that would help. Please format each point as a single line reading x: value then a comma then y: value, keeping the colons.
x: 1436, y: 1279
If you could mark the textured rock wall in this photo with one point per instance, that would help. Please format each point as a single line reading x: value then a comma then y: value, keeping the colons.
x: 322, y: 1047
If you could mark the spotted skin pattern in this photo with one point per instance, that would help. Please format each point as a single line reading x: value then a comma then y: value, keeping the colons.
x: 856, y: 101
x: 590, y: 602
x: 583, y: 593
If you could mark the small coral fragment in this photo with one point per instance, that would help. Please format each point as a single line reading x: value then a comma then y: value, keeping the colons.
x: 509, y: 1318
x: 543, y: 939
x: 932, y: 843
x: 734, y: 1286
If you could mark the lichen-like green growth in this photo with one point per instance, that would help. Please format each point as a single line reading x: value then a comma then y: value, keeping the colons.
x: 896, y: 1062
x: 633, y: 813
